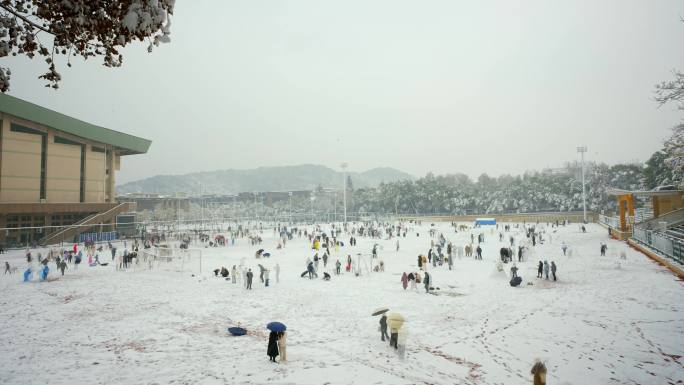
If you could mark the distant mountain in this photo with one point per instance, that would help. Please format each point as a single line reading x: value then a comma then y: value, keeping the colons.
x: 284, y: 178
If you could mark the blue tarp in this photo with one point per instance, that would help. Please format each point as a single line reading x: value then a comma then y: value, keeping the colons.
x: 485, y: 221
x: 97, y: 237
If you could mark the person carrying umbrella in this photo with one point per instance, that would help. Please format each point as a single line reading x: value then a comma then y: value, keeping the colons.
x: 272, y: 350
x: 383, y: 327
x: 395, y: 321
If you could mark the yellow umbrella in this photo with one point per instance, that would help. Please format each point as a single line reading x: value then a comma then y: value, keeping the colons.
x: 395, y: 321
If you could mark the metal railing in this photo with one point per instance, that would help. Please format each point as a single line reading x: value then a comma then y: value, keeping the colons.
x: 613, y: 222
x: 663, y: 244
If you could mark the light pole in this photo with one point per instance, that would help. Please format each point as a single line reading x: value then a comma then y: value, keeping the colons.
x: 582, y: 150
x: 290, y: 194
x: 344, y: 191
x: 256, y: 215
x: 313, y: 197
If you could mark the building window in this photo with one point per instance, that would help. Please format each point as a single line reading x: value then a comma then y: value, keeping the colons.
x: 25, y: 130
x: 60, y: 140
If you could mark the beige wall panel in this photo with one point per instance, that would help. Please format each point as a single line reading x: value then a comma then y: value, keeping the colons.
x: 20, y: 167
x: 63, y: 173
x: 25, y: 196
x: 95, y: 175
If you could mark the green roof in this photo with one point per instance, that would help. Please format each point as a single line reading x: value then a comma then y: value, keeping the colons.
x: 128, y: 144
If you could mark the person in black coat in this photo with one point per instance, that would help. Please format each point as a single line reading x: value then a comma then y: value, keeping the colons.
x: 383, y: 327
x: 540, y: 267
x: 420, y: 262
x: 272, y: 350
x: 426, y: 281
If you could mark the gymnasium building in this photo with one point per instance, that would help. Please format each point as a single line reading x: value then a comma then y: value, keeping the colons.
x: 57, y: 174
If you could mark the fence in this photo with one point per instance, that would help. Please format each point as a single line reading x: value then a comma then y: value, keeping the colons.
x: 663, y: 244
x: 609, y: 221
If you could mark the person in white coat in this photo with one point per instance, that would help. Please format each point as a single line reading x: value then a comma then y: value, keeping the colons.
x: 277, y: 272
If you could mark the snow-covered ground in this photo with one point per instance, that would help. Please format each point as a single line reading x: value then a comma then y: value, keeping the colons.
x: 605, y: 321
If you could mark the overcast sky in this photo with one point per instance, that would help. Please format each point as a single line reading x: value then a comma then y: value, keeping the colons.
x: 443, y: 86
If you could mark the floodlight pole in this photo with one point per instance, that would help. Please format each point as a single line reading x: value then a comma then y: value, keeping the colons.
x: 290, y: 194
x: 344, y: 191
x: 256, y: 215
x: 582, y: 150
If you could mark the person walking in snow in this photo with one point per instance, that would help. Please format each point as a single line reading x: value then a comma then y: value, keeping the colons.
x: 316, y: 259
x: 249, y: 279
x: 272, y: 350
x: 546, y: 269
x: 412, y: 279
x: 7, y: 267
x: 277, y: 271
x: 420, y: 262
x: 604, y: 247
x: 479, y: 252
x: 234, y: 274
x: 404, y: 280
x: 383, y: 327
x: 261, y: 273
x: 539, y: 269
x: 514, y: 271
x: 564, y: 247
x: 553, y: 269
x: 325, y: 259
x: 311, y: 270
x: 338, y: 267
x: 450, y: 261
x: 426, y: 282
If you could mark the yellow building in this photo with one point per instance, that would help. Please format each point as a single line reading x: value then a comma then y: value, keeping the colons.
x: 55, y: 171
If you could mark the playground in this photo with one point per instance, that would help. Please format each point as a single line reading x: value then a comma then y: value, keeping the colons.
x: 613, y: 319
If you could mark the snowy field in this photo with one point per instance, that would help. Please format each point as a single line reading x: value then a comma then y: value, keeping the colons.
x: 606, y: 321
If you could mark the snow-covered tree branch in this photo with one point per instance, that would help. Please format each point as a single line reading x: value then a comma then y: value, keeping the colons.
x: 85, y: 28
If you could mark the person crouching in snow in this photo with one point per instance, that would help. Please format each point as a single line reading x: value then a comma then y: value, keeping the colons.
x: 272, y: 350
x: 404, y: 280
x: 383, y: 327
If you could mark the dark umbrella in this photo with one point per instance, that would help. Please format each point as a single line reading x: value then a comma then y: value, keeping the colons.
x: 379, y: 311
x: 276, y: 327
x: 237, y: 331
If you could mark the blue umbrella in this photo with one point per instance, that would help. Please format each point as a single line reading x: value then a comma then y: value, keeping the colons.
x: 276, y: 327
x: 237, y: 331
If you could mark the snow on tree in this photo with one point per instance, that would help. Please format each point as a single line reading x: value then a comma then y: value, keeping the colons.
x: 672, y: 91
x: 86, y: 28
